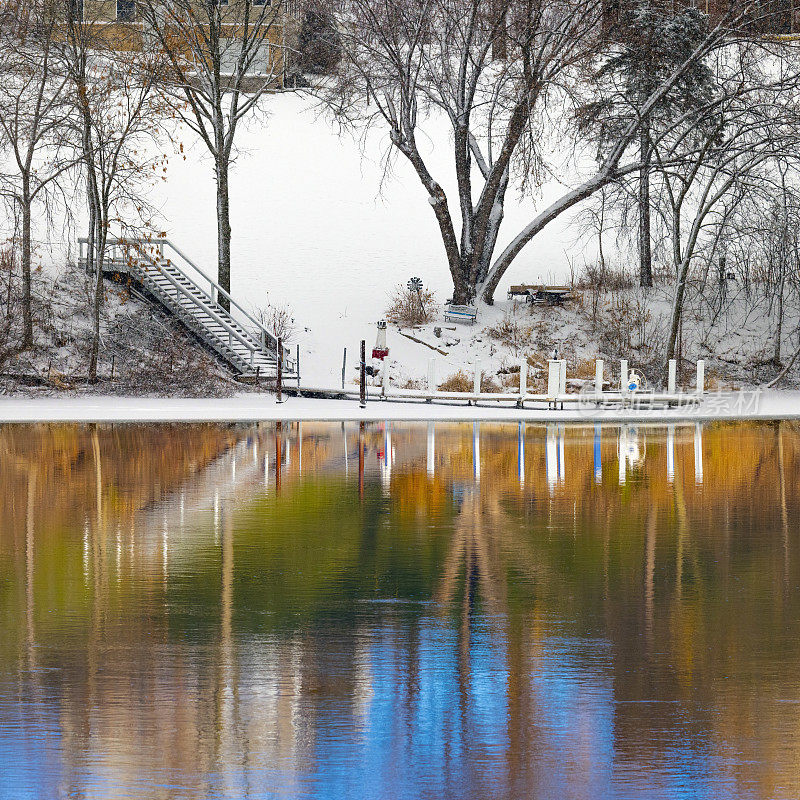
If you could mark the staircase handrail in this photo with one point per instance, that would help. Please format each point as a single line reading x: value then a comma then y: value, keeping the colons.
x: 140, y: 243
x: 219, y: 290
x: 231, y: 331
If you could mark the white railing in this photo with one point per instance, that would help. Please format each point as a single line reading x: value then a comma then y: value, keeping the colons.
x: 592, y: 396
x: 126, y: 252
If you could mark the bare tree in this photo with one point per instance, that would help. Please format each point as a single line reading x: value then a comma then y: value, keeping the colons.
x: 118, y: 127
x: 33, y: 118
x: 405, y: 60
x: 750, y: 123
x: 221, y: 59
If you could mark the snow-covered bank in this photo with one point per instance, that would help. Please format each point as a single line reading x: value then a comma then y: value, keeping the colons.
x: 253, y: 407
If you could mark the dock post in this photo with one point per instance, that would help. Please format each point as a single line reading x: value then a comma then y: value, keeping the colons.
x: 476, y: 382
x: 598, y: 378
x: 553, y: 382
x: 623, y: 375
x: 701, y: 376
x: 297, y: 368
x: 279, y: 376
x: 363, y: 374
x: 431, y: 378
x: 385, y: 378
x: 344, y: 366
x: 672, y: 376
x: 523, y: 382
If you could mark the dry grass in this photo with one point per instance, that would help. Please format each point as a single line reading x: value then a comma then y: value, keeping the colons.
x: 516, y: 334
x: 408, y: 308
x: 457, y: 382
x: 461, y: 382
x: 584, y: 368
x: 607, y: 278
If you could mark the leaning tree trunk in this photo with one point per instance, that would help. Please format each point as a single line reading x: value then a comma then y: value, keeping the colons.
x: 677, y: 308
x: 645, y: 245
x: 223, y: 231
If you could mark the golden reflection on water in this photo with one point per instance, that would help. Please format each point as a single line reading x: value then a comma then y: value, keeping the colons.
x: 329, y: 610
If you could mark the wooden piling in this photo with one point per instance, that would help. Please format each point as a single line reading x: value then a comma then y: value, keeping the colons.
x: 279, y: 378
x: 363, y: 375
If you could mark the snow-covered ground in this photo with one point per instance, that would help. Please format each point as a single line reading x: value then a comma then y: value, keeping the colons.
x: 315, y: 227
x: 320, y: 227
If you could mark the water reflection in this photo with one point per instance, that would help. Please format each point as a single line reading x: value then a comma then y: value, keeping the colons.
x: 313, y: 610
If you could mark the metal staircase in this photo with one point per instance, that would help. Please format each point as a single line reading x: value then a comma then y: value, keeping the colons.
x: 183, y: 289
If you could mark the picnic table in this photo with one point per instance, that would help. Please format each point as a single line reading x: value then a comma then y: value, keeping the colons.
x: 541, y: 293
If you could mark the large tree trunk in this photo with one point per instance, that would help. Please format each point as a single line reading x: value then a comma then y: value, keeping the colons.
x: 27, y: 312
x: 223, y: 231
x: 645, y: 246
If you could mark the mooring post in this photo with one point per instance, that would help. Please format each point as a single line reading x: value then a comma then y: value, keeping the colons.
x: 623, y: 375
x: 279, y: 377
x: 701, y: 376
x: 297, y: 368
x: 363, y: 382
x: 431, y: 377
x: 476, y: 382
x: 598, y: 377
x: 344, y: 366
x: 672, y: 376
x: 553, y: 382
x: 384, y: 378
x: 523, y: 381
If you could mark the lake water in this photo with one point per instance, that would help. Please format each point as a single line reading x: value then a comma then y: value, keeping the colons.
x: 400, y: 611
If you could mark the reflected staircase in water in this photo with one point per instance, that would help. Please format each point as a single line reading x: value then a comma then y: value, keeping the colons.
x: 171, y: 279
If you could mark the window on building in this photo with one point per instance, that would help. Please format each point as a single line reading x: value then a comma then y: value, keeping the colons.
x: 126, y: 10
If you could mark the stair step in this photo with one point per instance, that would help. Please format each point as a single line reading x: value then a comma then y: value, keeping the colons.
x: 207, y: 319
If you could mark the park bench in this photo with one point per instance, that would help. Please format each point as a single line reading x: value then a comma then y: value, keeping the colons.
x: 456, y: 313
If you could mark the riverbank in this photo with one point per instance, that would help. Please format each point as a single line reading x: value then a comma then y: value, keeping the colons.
x: 766, y: 404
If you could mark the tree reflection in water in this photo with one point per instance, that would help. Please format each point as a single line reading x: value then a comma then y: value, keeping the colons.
x: 407, y: 610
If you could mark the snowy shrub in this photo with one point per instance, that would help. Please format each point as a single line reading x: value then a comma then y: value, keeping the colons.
x: 406, y: 307
x: 278, y: 319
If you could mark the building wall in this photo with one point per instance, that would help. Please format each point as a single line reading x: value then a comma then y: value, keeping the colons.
x: 126, y: 34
